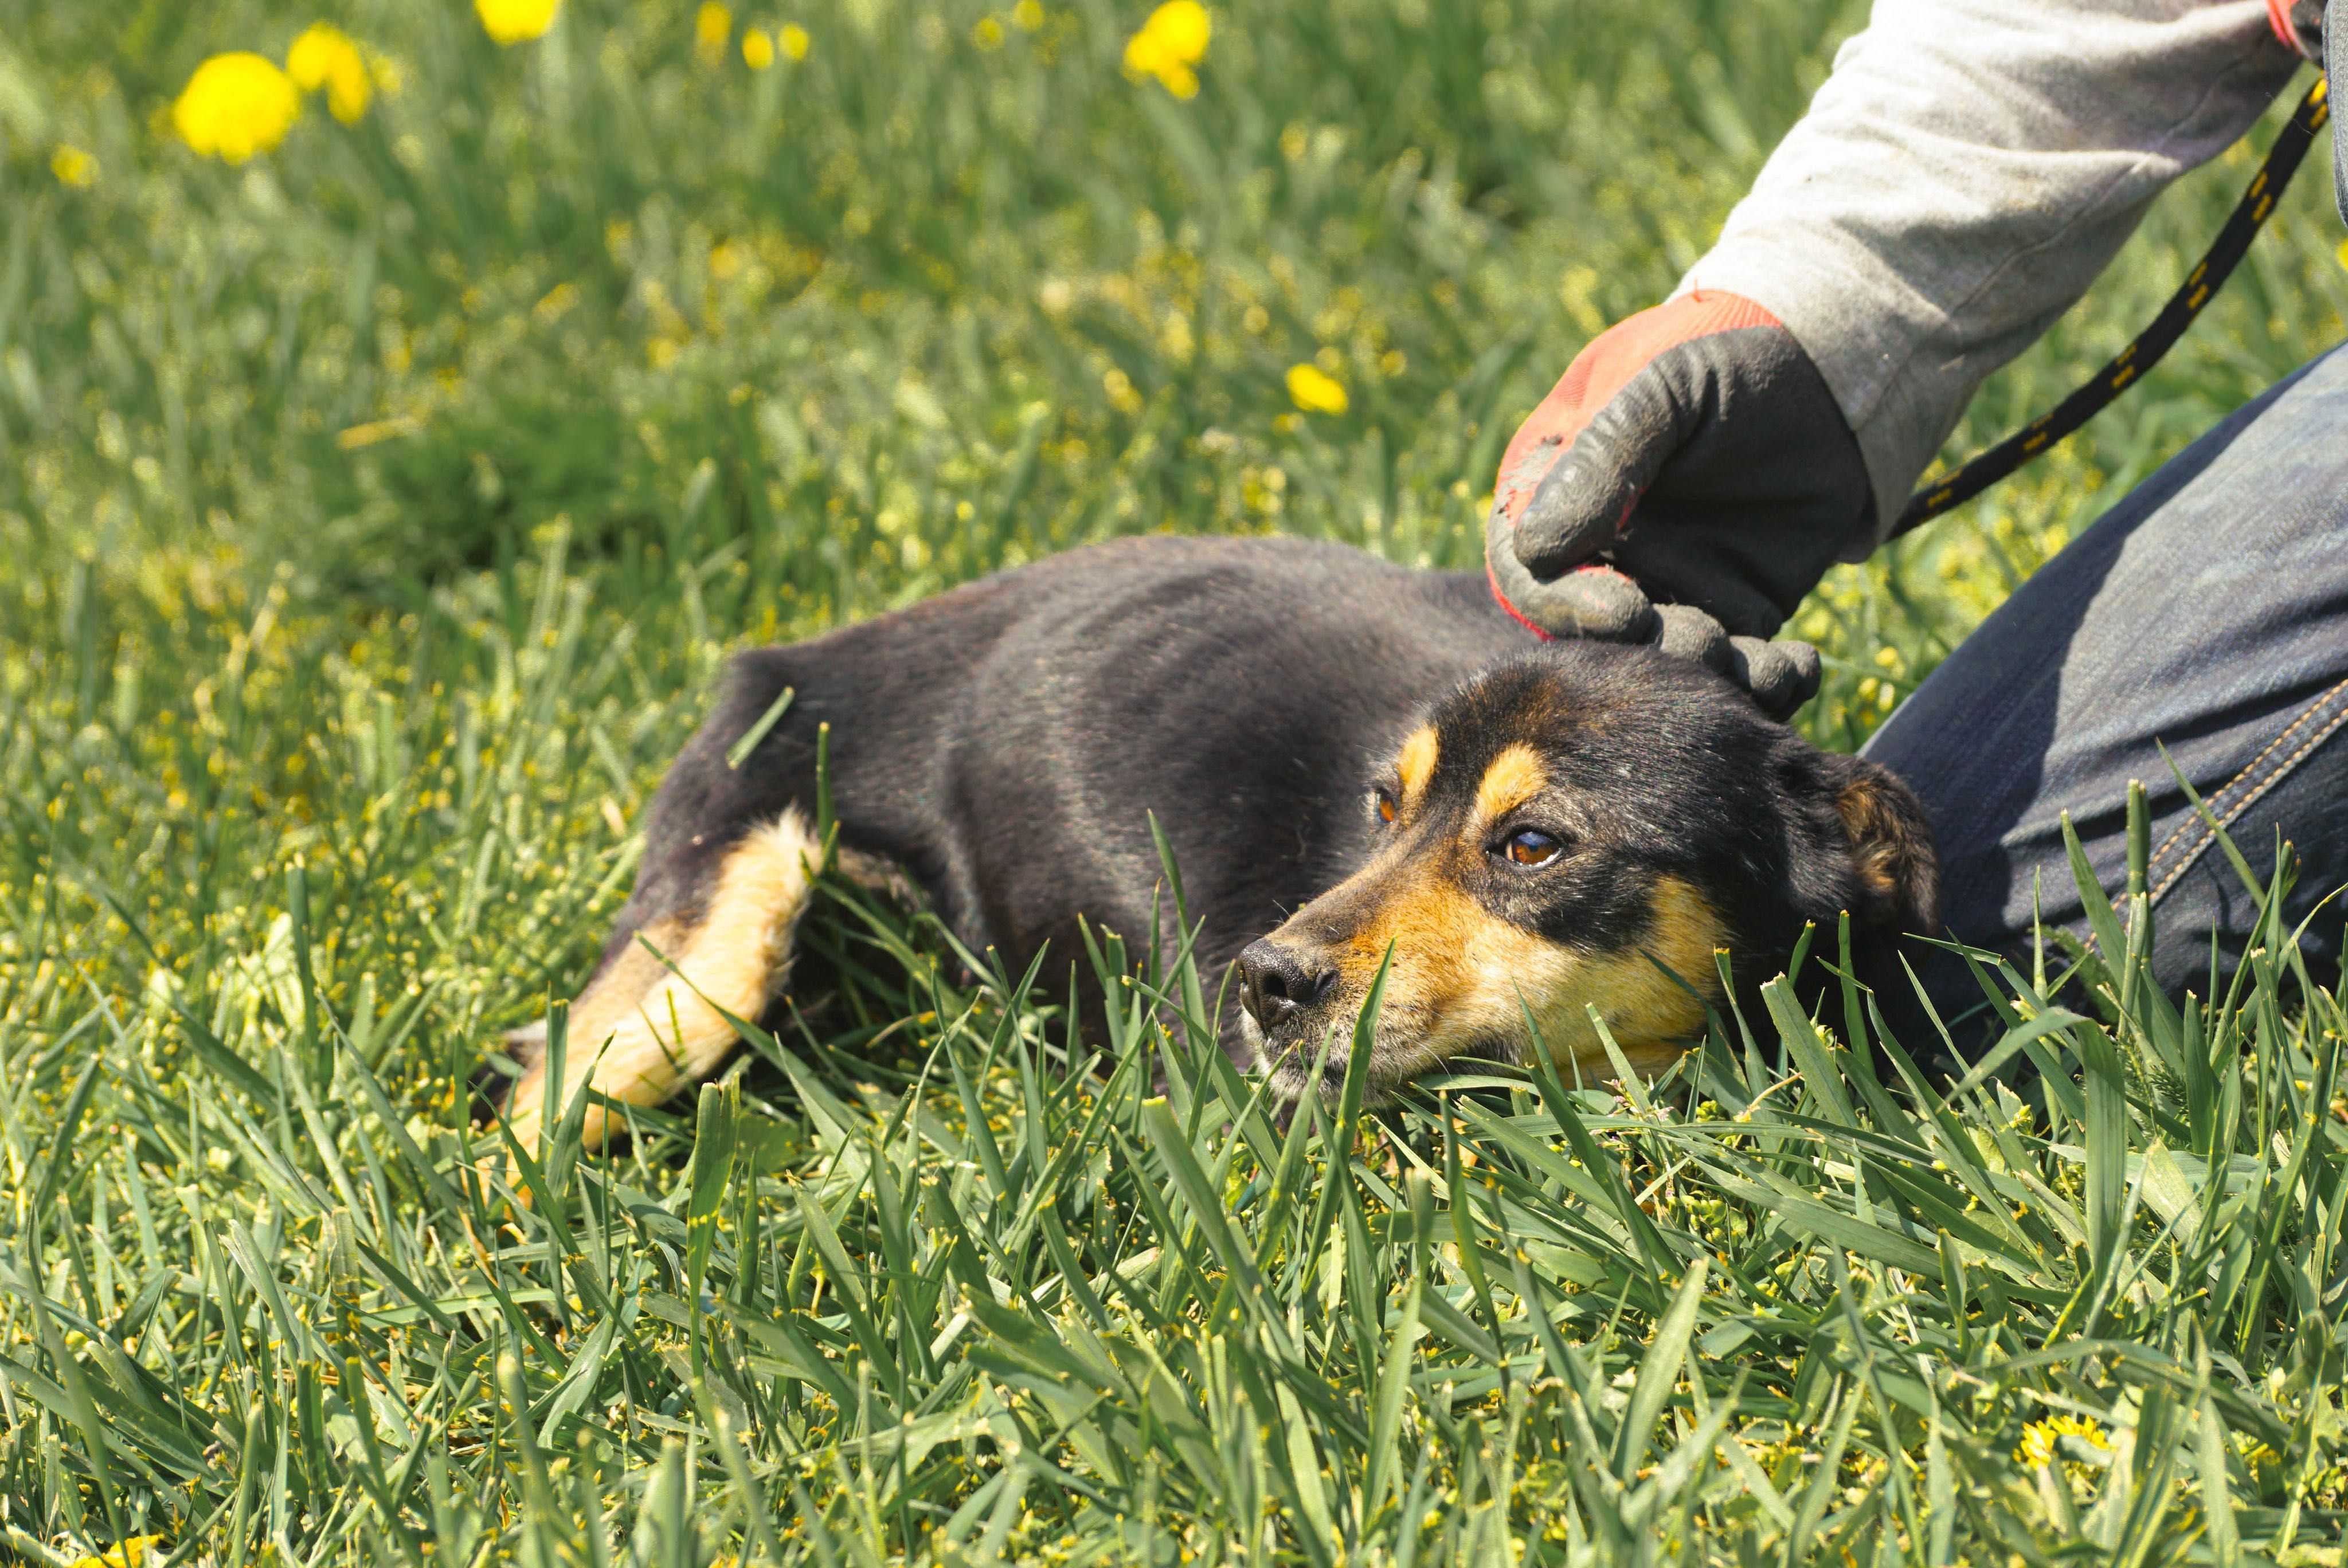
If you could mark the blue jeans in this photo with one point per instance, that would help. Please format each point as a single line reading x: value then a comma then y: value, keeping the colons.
x: 2207, y: 613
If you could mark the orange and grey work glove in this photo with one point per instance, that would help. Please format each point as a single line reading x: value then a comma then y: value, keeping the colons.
x: 1685, y: 483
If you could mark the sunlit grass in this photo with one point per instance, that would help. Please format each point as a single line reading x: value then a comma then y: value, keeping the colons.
x: 376, y: 512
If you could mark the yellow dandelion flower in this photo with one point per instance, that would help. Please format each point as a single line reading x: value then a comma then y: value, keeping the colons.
x: 986, y: 34
x: 72, y: 166
x: 556, y: 302
x: 794, y: 41
x: 1315, y: 391
x: 236, y: 105
x: 1184, y: 27
x: 1028, y: 15
x: 1169, y: 44
x: 712, y: 25
x: 517, y: 21
x: 1175, y: 78
x: 758, y: 49
x: 324, y: 57
x: 2042, y: 1440
x: 122, y: 1554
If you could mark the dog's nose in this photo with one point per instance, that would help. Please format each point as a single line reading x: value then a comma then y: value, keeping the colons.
x: 1275, y: 981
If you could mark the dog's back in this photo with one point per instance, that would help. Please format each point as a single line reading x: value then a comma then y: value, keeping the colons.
x: 1005, y: 744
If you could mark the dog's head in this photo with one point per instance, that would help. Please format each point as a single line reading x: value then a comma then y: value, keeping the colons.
x: 1583, y: 826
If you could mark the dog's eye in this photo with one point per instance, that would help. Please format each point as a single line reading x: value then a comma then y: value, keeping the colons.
x: 1531, y: 847
x: 1382, y: 800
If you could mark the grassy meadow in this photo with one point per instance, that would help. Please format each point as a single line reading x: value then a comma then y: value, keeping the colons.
x: 374, y: 514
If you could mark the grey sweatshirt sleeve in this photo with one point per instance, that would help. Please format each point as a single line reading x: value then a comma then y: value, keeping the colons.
x: 1963, y: 175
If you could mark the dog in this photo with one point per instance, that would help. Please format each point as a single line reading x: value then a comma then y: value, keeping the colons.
x: 1348, y: 759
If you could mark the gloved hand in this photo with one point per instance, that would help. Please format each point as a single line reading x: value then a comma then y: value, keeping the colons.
x: 1690, y: 454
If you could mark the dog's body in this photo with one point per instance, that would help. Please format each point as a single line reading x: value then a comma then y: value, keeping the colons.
x: 1273, y: 704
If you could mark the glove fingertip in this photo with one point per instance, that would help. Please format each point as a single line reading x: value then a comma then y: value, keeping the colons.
x: 1686, y: 632
x: 1781, y: 676
x: 1804, y: 657
x: 1575, y: 512
x: 1607, y: 605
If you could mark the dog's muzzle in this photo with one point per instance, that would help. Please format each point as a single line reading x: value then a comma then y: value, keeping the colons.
x: 1279, y: 984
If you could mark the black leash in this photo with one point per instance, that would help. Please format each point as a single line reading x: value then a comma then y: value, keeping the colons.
x: 1954, y: 489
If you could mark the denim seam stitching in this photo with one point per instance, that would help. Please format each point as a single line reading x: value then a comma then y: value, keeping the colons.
x: 2194, y: 819
x: 2259, y: 786
x: 2233, y: 813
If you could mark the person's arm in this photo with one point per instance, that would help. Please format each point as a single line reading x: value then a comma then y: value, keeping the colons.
x: 1965, y: 173
x: 1962, y: 176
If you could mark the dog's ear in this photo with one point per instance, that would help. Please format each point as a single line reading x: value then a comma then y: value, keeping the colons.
x: 1889, y: 841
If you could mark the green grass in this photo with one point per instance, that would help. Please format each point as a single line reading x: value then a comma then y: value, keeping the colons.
x: 376, y: 515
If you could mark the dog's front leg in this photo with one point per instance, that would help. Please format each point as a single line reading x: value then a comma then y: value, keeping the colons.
x: 655, y: 1018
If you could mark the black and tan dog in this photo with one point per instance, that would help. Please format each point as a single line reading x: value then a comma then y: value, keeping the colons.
x: 1345, y: 754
